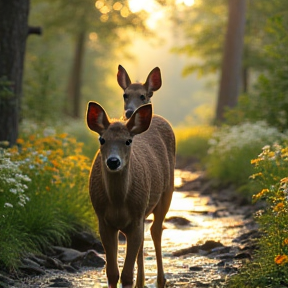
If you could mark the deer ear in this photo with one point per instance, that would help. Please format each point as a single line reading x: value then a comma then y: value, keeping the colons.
x: 140, y: 120
x: 97, y: 119
x: 154, y: 81
x: 123, y: 78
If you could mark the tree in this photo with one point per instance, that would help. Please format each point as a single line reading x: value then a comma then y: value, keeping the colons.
x: 13, y: 33
x: 81, y: 18
x: 232, y: 58
x: 203, y: 25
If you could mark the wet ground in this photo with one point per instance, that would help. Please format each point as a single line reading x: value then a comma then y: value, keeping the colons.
x: 189, y: 270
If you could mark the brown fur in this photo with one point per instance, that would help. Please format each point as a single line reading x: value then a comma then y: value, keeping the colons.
x: 123, y: 199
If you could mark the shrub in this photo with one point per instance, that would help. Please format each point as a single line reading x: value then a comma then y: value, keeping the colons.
x: 269, y: 267
x: 58, y: 195
x: 232, y: 148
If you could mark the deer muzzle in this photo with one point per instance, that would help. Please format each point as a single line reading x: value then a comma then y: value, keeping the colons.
x: 113, y: 163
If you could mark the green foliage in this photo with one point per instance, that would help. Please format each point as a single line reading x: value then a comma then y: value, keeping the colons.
x: 232, y: 148
x: 269, y: 100
x: 193, y: 141
x: 55, y: 202
x: 269, y: 265
x: 204, y: 27
x: 42, y: 102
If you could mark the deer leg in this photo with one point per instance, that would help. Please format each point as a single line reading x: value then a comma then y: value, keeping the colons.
x: 109, y: 238
x: 134, y: 241
x: 140, y: 268
x: 156, y: 233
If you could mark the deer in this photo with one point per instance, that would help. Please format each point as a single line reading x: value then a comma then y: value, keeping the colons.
x: 132, y: 176
x: 137, y: 94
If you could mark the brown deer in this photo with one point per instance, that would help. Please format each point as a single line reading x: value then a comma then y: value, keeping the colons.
x: 137, y: 94
x: 132, y: 176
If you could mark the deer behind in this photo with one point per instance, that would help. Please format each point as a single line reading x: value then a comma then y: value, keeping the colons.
x: 132, y: 176
x: 137, y: 94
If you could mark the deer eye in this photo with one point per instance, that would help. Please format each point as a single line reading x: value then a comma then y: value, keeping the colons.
x: 101, y: 140
x: 128, y: 142
x: 125, y: 96
x: 142, y: 98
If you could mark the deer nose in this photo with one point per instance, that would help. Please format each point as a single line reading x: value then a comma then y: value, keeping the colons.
x: 128, y: 113
x: 113, y: 163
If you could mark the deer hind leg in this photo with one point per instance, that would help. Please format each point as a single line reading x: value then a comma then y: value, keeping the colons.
x: 134, y: 243
x: 140, y: 268
x: 109, y: 238
x: 156, y: 233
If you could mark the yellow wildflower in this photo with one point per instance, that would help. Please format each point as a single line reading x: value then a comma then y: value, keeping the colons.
x: 284, y: 180
x: 285, y: 242
x: 279, y: 207
x: 260, y: 194
x: 20, y: 141
x: 255, y: 161
x: 281, y: 259
x: 253, y: 176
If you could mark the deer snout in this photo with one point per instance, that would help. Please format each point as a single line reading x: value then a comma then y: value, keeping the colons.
x: 128, y: 113
x: 113, y: 163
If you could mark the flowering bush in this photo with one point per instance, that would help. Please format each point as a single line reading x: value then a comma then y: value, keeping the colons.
x: 270, y: 266
x: 58, y: 194
x: 12, y: 184
x: 232, y: 148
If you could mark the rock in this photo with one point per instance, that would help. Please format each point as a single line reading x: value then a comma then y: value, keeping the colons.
x: 92, y: 259
x: 83, y: 241
x: 210, y: 244
x: 31, y: 271
x: 53, y: 263
x: 60, y: 282
x: 225, y: 256
x: 248, y: 236
x: 30, y: 262
x: 178, y: 221
x: 243, y: 255
x: 195, y: 268
x: 70, y: 269
x: 207, y: 247
x: 5, y: 280
x: 68, y: 255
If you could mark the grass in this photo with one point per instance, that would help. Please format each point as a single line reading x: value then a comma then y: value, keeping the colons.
x: 193, y: 142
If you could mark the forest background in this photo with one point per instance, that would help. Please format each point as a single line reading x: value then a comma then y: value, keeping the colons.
x: 232, y: 103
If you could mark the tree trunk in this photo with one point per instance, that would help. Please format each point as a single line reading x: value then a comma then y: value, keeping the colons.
x: 231, y: 63
x: 13, y: 34
x: 74, y: 85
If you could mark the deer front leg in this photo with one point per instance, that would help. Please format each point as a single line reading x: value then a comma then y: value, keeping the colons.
x: 109, y: 238
x: 134, y: 242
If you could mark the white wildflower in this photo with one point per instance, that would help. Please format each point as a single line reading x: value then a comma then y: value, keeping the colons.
x: 8, y: 205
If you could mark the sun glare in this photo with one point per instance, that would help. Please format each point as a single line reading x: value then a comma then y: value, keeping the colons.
x: 186, y: 2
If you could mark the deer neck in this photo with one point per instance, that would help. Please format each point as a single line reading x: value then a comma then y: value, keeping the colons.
x: 116, y: 184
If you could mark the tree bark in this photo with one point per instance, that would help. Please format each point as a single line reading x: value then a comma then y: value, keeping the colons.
x: 74, y: 85
x: 231, y: 64
x: 13, y: 34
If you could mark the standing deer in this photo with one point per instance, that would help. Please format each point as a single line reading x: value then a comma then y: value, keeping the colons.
x: 137, y: 94
x: 132, y: 176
